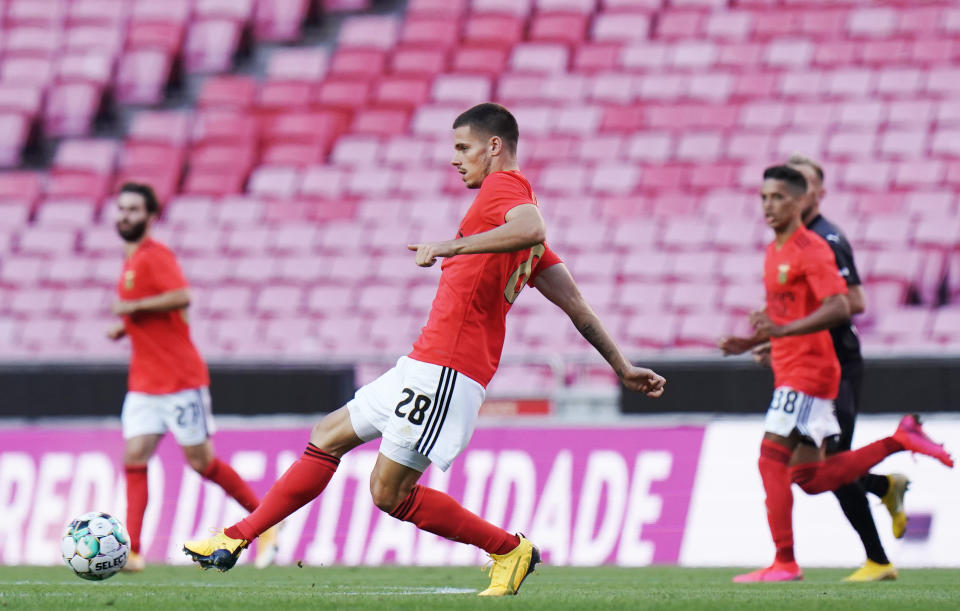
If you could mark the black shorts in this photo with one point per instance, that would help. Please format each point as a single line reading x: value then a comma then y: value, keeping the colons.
x: 847, y: 405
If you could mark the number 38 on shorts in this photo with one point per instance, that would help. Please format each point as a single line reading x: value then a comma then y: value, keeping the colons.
x: 812, y: 417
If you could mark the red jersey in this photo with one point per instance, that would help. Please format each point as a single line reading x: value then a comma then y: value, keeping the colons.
x: 798, y: 276
x: 467, y: 320
x: 164, y: 359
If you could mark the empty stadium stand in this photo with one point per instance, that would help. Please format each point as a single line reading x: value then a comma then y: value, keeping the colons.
x: 645, y: 124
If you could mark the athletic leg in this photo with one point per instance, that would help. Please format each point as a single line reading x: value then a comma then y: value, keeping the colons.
x: 136, y: 454
x: 775, y: 453
x: 202, y: 459
x: 395, y: 491
x: 852, y: 497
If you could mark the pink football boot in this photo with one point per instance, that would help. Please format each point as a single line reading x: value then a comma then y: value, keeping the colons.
x: 778, y: 571
x: 910, y: 434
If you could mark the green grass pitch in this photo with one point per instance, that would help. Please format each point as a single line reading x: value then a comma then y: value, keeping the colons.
x: 164, y: 587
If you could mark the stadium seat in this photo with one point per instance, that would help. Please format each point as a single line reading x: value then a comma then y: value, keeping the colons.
x: 279, y: 20
x: 211, y: 44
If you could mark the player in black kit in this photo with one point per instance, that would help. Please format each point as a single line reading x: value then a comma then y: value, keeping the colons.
x: 890, y: 488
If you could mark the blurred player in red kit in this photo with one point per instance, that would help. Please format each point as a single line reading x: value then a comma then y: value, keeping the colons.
x: 168, y: 382
x: 806, y: 296
x: 425, y: 408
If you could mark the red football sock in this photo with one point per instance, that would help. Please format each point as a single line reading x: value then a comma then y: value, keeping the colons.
x: 842, y: 468
x: 224, y: 476
x: 437, y: 512
x: 776, y: 483
x: 302, y: 482
x: 136, y: 502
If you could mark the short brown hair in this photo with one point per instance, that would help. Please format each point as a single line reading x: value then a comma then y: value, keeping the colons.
x: 801, y: 159
x: 491, y: 119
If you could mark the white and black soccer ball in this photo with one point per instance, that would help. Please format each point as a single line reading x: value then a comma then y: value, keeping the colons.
x: 95, y: 546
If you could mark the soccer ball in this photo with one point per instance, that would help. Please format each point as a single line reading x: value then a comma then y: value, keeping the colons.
x: 95, y: 546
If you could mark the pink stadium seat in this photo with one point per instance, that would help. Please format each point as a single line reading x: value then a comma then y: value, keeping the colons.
x: 562, y: 27
x: 280, y: 20
x: 225, y: 126
x: 945, y: 325
x: 539, y: 57
x: 228, y: 92
x: 14, y: 213
x: 621, y: 26
x: 66, y: 213
x: 160, y: 33
x: 211, y: 45
x: 462, y: 89
x: 331, y: 300
x: 97, y: 156
x: 284, y: 95
x: 592, y: 57
x: 702, y: 329
x: 443, y: 8
x: 369, y: 31
x: 279, y: 300
x: 654, y: 330
x: 298, y: 64
x: 406, y: 92
x: 692, y: 297
x: 274, y: 181
x: 741, y: 299
x: 71, y: 108
x: 380, y: 121
x: 941, y: 233
x: 14, y: 131
x: 418, y: 61
x: 501, y: 30
x: 163, y: 127
x: 214, y: 180
x: 429, y: 31
x: 86, y: 302
x: 142, y: 76
x: 229, y: 300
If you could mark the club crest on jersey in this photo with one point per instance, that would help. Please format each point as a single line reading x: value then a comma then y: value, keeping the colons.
x: 128, y: 279
x: 782, y: 270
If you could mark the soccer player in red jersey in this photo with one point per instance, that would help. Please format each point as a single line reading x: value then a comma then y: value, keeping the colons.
x: 806, y: 296
x: 168, y: 380
x: 426, y: 407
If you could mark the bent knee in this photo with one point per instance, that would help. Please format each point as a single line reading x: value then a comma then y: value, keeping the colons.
x: 386, y: 498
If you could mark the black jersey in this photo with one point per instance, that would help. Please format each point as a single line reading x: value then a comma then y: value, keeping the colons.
x: 846, y: 342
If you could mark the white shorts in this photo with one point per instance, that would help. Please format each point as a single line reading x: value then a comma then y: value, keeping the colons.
x: 186, y: 414
x: 424, y: 412
x: 812, y: 417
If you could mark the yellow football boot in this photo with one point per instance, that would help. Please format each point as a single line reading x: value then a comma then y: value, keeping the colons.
x: 510, y: 569
x: 871, y: 571
x: 217, y: 552
x: 893, y: 500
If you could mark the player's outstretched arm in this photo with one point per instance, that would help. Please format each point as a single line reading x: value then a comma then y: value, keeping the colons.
x: 558, y: 286
x: 164, y: 302
x: 524, y: 228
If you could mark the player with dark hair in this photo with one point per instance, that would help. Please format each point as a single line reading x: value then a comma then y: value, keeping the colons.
x: 805, y: 298
x: 168, y: 380
x: 425, y: 407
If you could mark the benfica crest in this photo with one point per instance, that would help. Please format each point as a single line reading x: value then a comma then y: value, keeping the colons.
x: 128, y: 279
x: 782, y: 271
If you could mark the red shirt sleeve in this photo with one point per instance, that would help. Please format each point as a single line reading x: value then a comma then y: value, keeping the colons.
x: 502, y: 193
x: 548, y: 259
x: 165, y: 274
x: 820, y: 268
